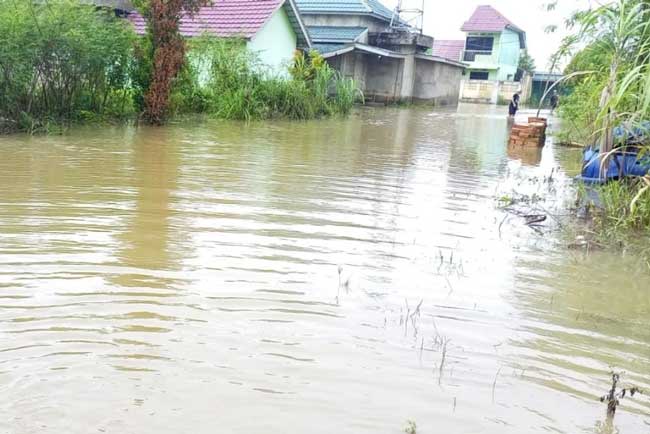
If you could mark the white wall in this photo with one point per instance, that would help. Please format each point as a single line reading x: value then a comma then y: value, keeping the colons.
x: 275, y: 43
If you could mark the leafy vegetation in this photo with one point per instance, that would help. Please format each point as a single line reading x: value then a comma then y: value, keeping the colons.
x: 622, y: 209
x: 615, y: 88
x: 526, y: 62
x: 61, y: 62
x: 223, y: 79
x: 612, y: 49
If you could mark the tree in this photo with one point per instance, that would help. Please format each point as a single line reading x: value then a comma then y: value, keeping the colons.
x: 168, y: 47
x: 617, y: 40
x: 526, y: 62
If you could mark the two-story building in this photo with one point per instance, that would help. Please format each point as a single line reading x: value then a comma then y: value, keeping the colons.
x: 491, y: 49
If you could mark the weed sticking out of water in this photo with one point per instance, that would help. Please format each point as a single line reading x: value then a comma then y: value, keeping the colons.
x: 614, y: 396
x: 443, y: 359
x: 494, y: 384
x: 614, y: 215
x: 411, y: 427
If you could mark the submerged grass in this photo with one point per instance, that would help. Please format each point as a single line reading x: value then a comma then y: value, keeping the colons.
x: 618, y: 215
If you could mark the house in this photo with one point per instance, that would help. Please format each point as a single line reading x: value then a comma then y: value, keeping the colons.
x: 491, y: 49
x: 493, y: 45
x: 388, y: 62
x: 272, y: 29
x: 542, y: 81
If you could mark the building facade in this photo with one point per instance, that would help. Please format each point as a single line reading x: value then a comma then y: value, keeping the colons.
x: 388, y: 64
x: 491, y: 49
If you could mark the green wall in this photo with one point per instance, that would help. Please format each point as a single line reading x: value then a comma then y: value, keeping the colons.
x: 509, y: 52
x: 504, y: 60
x: 275, y: 43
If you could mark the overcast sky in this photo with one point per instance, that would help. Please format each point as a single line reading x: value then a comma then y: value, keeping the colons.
x: 443, y: 19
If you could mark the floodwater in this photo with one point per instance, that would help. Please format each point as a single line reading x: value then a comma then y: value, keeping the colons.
x: 186, y: 280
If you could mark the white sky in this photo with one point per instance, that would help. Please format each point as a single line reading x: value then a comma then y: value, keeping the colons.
x: 443, y: 19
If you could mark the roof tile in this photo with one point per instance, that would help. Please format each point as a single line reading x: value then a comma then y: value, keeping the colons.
x: 448, y: 49
x: 487, y: 19
x: 365, y: 7
x: 225, y: 18
x: 333, y: 34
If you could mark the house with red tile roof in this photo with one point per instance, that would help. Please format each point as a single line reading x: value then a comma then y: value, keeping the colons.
x: 272, y: 29
x: 491, y: 48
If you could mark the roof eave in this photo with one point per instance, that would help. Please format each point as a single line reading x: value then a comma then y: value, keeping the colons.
x: 298, y: 17
x: 440, y: 59
x: 365, y: 14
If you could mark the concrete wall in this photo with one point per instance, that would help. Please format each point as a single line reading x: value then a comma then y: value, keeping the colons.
x: 373, y: 24
x: 507, y: 89
x: 383, y: 78
x: 275, y: 43
x: 353, y: 65
x: 483, y: 91
x: 437, y: 82
x: 490, y: 92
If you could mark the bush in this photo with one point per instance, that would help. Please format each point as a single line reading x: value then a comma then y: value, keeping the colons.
x: 61, y: 61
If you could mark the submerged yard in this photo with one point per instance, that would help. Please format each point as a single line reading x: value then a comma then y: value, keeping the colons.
x: 331, y: 276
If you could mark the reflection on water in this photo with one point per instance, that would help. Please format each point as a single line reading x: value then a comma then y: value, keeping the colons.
x: 186, y: 278
x: 528, y: 155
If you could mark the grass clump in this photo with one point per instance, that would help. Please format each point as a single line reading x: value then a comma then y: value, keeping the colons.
x: 618, y: 214
x: 226, y: 81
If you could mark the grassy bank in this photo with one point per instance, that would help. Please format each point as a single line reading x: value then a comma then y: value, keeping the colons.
x: 608, y: 60
x: 63, y: 63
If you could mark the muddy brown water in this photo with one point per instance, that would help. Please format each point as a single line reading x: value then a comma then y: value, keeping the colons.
x: 185, y: 279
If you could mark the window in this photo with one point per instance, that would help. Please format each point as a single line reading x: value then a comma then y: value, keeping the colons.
x: 479, y: 43
x: 479, y: 75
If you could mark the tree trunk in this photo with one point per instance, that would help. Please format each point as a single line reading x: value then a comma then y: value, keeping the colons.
x: 169, y: 55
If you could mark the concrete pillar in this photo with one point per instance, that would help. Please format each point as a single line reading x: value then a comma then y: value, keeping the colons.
x: 408, y: 78
x: 495, y: 92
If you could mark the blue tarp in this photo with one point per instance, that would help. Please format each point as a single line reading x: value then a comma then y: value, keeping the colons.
x: 621, y: 164
x: 624, y: 161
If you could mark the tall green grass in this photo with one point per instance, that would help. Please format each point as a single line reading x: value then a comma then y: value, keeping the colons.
x: 225, y: 80
x: 616, y: 217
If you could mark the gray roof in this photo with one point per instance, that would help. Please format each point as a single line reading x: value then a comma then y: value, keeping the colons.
x: 327, y: 48
x: 335, y: 34
x: 345, y: 7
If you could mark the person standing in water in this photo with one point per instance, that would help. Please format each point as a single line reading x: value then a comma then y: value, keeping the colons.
x: 555, y: 101
x: 514, y: 105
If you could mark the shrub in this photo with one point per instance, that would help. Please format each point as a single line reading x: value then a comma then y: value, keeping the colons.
x: 61, y: 61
